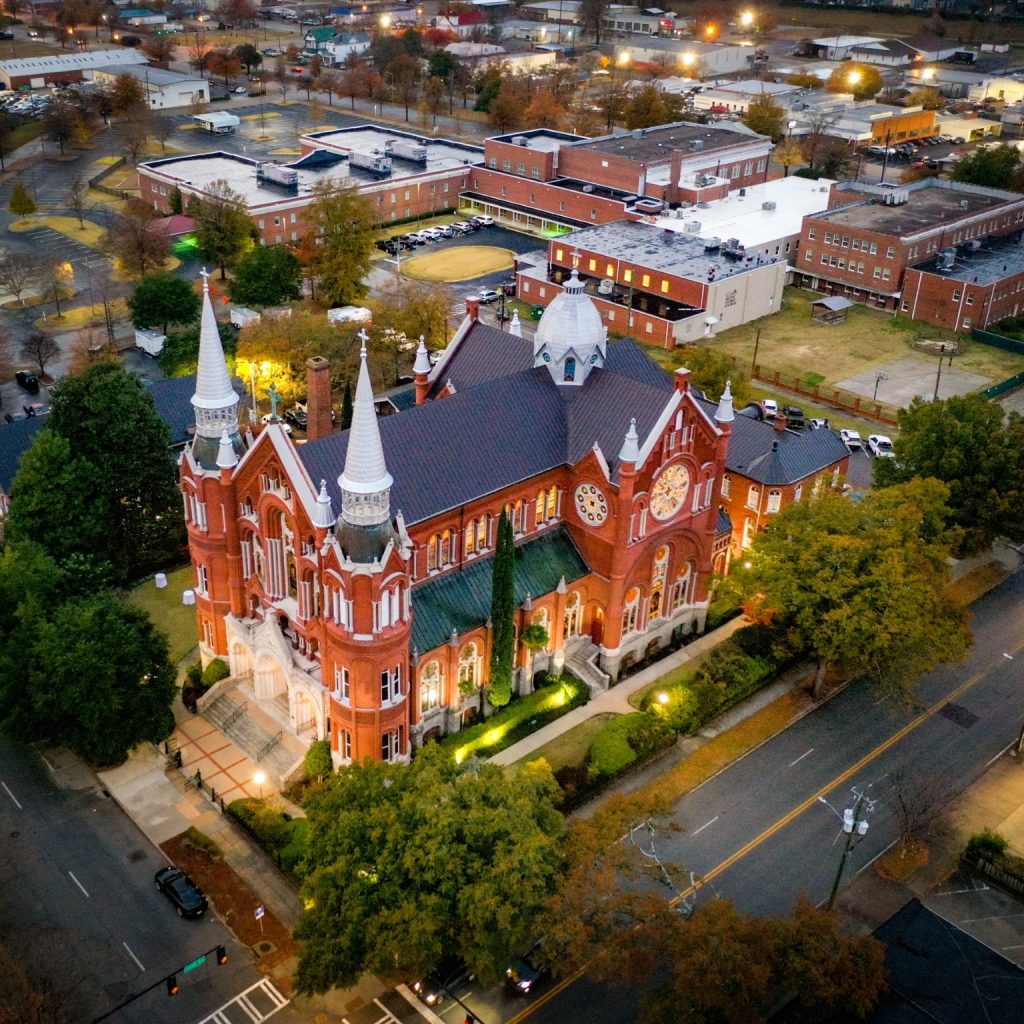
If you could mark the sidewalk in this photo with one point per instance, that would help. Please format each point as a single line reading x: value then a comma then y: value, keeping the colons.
x: 616, y: 699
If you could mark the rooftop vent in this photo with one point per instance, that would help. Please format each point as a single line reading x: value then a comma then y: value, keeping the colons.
x: 696, y: 145
x: 520, y: 140
x: 711, y: 244
x: 588, y: 188
x: 768, y: 204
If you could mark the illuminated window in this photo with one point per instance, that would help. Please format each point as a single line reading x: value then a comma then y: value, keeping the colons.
x: 468, y: 667
x: 631, y: 611
x: 431, y: 680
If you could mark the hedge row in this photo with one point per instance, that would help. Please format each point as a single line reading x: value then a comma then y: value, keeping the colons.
x: 625, y: 740
x: 519, y: 718
x: 281, y: 835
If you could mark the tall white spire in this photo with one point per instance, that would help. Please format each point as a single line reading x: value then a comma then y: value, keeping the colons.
x: 724, y: 412
x: 214, y: 401
x: 365, y: 482
x: 422, y: 364
x: 515, y: 328
x: 630, y: 445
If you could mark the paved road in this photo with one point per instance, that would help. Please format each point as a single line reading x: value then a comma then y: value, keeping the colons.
x: 758, y: 833
x: 77, y: 891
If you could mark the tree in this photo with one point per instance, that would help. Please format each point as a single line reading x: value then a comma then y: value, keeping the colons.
x: 506, y: 110
x: 119, y: 501
x: 318, y: 763
x: 136, y: 124
x: 21, y: 204
x: 16, y: 271
x: 535, y: 639
x: 414, y: 309
x: 860, y: 586
x: 77, y: 198
x: 337, y: 253
x: 346, y: 405
x: 787, y: 153
x: 60, y: 122
x: 405, y: 71
x: 132, y: 241
x: 266, y: 276
x: 161, y: 299
x: 710, y: 369
x: 161, y: 129
x: 159, y: 48
x: 330, y: 82
x: 126, y: 93
x: 591, y: 16
x: 433, y: 98
x: 926, y: 97
x: 39, y: 348
x: 968, y: 444
x: 647, y: 108
x: 223, y: 62
x: 766, y: 117
x: 383, y: 892
x: 863, y: 80
x: 612, y: 100
x: 223, y: 228
x: 352, y: 83
x: 998, y: 167
x: 503, y: 609
x: 6, y: 130
x: 544, y: 111
x: 248, y: 56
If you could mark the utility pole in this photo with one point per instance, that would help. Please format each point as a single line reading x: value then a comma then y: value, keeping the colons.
x: 938, y: 375
x: 878, y: 380
x: 855, y: 828
x: 753, y: 362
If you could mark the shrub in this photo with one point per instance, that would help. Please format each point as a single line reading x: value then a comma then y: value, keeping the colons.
x: 625, y: 739
x: 677, y: 710
x: 318, y: 761
x: 215, y: 672
x: 194, y: 674
x: 986, y: 845
x: 201, y: 841
x: 270, y: 827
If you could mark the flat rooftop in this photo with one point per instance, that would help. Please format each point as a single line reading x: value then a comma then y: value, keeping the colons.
x: 72, y: 61
x: 653, y: 248
x: 655, y: 145
x: 154, y: 76
x: 442, y: 154
x: 743, y: 216
x: 996, y: 260
x: 930, y: 204
x: 543, y: 140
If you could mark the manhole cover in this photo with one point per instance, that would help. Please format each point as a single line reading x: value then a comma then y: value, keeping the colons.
x: 136, y: 855
x: 959, y: 715
x: 263, y: 948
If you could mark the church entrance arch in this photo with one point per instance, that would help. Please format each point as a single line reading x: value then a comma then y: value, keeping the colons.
x: 269, y: 678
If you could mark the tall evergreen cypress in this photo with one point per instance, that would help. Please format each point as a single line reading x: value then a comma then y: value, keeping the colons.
x: 346, y: 405
x: 502, y: 611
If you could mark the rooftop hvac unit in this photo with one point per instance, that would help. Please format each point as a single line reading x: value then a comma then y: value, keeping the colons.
x: 973, y: 244
x: 377, y: 164
x: 605, y: 286
x: 275, y: 174
x: 408, y: 150
x: 696, y: 146
x: 896, y: 197
x: 692, y: 227
x: 733, y: 243
x: 768, y: 204
x: 947, y: 260
x: 520, y: 140
x: 588, y: 188
x: 710, y: 244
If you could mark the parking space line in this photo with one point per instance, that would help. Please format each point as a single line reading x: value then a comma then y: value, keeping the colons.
x: 79, y: 884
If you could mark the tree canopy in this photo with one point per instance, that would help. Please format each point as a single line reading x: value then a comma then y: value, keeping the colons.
x: 86, y: 670
x: 766, y: 117
x: 223, y: 228
x: 998, y: 167
x: 503, y: 610
x: 968, y: 444
x: 863, y: 80
x: 161, y: 299
x: 21, y: 202
x: 648, y: 107
x: 710, y: 368
x: 117, y: 501
x: 407, y: 863
x: 337, y: 249
x: 860, y: 586
x: 266, y: 275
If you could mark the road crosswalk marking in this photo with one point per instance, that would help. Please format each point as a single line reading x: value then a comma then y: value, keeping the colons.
x: 258, y: 1002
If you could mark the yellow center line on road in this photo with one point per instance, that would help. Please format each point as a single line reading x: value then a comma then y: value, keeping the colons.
x: 791, y: 815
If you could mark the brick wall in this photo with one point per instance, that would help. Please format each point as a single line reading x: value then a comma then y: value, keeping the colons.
x: 523, y: 161
x: 960, y: 305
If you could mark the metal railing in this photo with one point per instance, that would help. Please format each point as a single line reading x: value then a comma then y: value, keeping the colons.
x: 235, y: 715
x: 268, y: 746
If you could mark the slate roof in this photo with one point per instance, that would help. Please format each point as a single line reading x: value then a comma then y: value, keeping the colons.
x: 172, y: 400
x: 939, y: 974
x: 768, y: 456
x: 461, y: 599
x: 507, y: 422
x: 15, y: 439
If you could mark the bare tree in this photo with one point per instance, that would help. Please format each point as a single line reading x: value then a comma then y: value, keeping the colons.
x: 132, y: 240
x: 137, y: 125
x: 16, y: 271
x: 77, y: 199
x: 161, y: 129
x: 919, y: 807
x: 39, y: 348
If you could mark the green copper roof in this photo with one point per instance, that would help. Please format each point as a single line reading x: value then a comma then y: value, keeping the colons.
x: 461, y: 599
x: 322, y: 33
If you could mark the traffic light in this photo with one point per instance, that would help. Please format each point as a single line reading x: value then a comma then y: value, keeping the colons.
x: 222, y: 956
x: 172, y: 986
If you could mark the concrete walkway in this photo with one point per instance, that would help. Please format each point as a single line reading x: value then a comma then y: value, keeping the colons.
x: 616, y: 699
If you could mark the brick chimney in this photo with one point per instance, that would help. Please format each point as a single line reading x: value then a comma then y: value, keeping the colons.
x: 682, y: 379
x: 780, y: 422
x: 318, y: 398
x: 674, y: 174
x: 473, y: 307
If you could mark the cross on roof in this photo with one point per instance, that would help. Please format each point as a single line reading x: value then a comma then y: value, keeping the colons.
x: 363, y: 339
x: 205, y: 274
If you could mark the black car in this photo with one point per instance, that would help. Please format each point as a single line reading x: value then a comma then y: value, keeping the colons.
x: 298, y: 417
x: 794, y: 415
x: 433, y: 987
x: 28, y: 381
x: 187, y: 897
x: 524, y: 975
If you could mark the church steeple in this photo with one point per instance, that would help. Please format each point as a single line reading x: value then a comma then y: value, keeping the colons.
x: 214, y: 401
x: 365, y: 482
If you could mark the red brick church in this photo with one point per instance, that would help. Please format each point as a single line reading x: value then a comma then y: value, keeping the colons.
x: 350, y: 576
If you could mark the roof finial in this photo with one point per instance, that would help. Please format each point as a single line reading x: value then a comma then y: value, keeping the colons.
x: 422, y: 364
x: 630, y: 445
x: 724, y: 412
x: 206, y: 280
x: 363, y: 339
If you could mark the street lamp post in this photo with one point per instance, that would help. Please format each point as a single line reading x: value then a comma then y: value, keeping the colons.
x: 855, y: 828
x: 259, y: 778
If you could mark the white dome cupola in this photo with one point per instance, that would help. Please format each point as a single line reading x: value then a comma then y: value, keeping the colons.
x: 571, y: 340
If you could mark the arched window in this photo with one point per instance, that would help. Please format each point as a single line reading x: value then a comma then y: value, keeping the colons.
x: 774, y: 500
x: 753, y: 497
x: 658, y: 573
x: 431, y: 681
x: 570, y: 369
x: 468, y: 667
x: 571, y: 620
x: 681, y: 587
x: 432, y: 553
x: 444, y: 554
x: 748, y: 533
x: 540, y: 617
x: 482, y: 525
x: 552, y: 503
x: 631, y: 611
x: 469, y: 541
x: 538, y: 517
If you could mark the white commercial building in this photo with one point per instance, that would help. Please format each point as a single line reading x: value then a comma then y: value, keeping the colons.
x: 735, y: 97
x: 764, y: 219
x: 37, y: 72
x: 164, y: 89
x: 838, y: 47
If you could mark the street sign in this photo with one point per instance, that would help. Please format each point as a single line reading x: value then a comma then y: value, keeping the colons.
x: 260, y: 911
x: 198, y: 962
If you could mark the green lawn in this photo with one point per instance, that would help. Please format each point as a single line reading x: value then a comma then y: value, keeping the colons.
x: 797, y: 347
x: 571, y: 747
x: 176, y: 621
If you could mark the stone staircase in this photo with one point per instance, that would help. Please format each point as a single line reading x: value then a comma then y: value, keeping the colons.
x: 232, y: 717
x: 581, y: 661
